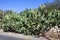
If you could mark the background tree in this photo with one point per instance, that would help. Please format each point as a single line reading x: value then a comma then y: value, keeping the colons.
x: 54, y: 5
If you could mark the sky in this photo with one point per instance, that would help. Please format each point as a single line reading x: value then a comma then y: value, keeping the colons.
x: 19, y: 5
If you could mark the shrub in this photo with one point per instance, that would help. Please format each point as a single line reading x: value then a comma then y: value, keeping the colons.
x: 31, y: 21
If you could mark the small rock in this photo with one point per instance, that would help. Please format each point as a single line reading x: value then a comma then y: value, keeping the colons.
x: 1, y: 30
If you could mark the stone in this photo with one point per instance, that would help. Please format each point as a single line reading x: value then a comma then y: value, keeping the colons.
x: 53, y: 33
x: 1, y: 30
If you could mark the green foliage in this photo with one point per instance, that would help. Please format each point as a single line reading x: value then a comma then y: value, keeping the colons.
x: 30, y: 21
